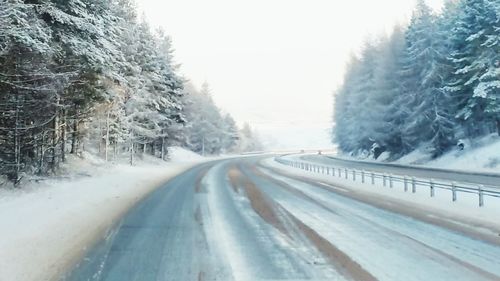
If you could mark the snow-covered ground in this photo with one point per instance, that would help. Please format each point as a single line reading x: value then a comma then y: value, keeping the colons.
x: 482, y: 155
x: 466, y: 207
x: 47, y: 226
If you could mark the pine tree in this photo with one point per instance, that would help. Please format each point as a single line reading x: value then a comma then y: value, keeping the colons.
x: 26, y: 88
x: 391, y: 102
x: 430, y: 119
x: 475, y: 55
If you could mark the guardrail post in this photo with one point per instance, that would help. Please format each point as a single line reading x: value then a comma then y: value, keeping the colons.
x: 391, y: 183
x: 340, y: 173
x: 405, y: 180
x: 362, y: 176
x: 431, y: 184
x: 346, y: 174
x: 384, y: 180
x: 454, y: 191
x: 353, y: 175
x: 373, y: 178
x: 413, y: 185
x: 323, y: 170
x: 481, y: 196
x: 333, y: 171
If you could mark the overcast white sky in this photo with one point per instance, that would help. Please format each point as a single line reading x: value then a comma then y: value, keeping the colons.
x: 274, y: 63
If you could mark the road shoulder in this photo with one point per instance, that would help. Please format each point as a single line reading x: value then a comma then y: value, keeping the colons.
x: 50, y: 228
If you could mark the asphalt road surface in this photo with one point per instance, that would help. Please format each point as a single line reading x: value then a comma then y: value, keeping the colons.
x: 239, y: 220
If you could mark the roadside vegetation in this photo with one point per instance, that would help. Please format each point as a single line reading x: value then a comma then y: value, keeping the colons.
x: 90, y: 75
x: 431, y: 85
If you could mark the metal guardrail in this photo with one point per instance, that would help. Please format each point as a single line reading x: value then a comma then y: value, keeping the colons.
x: 421, y: 168
x: 365, y: 177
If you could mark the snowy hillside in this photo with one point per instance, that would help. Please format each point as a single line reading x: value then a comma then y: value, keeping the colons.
x: 481, y: 155
x: 179, y: 154
x: 484, y: 155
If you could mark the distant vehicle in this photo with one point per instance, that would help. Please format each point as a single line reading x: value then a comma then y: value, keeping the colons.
x: 320, y: 152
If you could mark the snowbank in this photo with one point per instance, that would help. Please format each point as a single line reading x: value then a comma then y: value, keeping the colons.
x: 482, y: 155
x: 179, y: 154
x: 47, y: 226
x: 485, y: 157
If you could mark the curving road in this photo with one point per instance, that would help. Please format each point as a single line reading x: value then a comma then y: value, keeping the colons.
x: 240, y: 220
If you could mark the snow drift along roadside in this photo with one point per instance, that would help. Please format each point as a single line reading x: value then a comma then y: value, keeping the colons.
x: 46, y: 228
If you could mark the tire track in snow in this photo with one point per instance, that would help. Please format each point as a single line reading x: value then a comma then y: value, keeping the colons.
x: 276, y: 215
x: 459, y: 263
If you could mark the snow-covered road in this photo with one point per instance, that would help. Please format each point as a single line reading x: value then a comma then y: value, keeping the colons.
x: 237, y: 219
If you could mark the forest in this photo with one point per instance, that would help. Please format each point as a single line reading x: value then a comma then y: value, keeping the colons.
x: 431, y: 85
x: 91, y: 75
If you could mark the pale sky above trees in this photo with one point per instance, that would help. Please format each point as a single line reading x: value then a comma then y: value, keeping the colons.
x: 274, y: 63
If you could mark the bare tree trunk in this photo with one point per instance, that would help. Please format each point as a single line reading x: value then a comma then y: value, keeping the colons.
x: 99, y: 139
x: 203, y: 146
x: 163, y: 149
x: 42, y: 154
x: 106, y: 145
x: 153, y: 149
x: 498, y: 126
x: 17, y: 144
x: 55, y: 141
x: 74, y: 134
x: 131, y: 149
x: 63, y: 136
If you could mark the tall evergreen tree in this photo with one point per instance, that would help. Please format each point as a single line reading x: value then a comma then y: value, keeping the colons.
x: 427, y: 89
x: 475, y: 56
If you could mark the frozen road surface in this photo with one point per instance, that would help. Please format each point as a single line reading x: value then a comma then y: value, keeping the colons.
x: 239, y: 220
